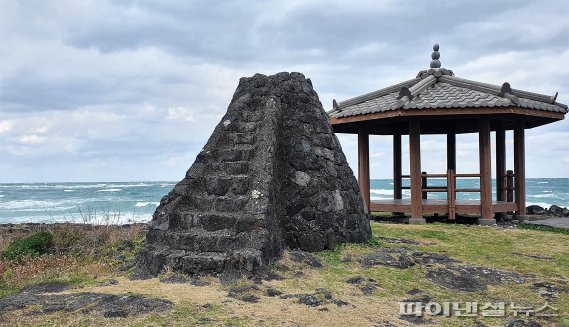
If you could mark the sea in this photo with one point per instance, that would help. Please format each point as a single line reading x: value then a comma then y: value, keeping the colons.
x: 130, y: 202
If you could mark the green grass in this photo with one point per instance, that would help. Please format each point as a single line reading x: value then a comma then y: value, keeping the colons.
x: 34, y: 245
x: 543, y: 228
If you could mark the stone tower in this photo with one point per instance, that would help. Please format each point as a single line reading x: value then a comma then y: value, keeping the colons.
x: 271, y: 176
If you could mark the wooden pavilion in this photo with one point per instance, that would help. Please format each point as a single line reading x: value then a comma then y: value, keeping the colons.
x: 437, y: 102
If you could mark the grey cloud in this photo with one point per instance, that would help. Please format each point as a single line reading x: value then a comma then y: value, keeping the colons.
x: 100, y: 78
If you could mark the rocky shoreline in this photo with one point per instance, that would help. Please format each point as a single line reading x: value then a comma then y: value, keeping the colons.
x: 553, y: 211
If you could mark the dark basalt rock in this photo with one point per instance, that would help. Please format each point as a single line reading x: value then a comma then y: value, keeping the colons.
x: 271, y: 176
x: 536, y: 210
x: 522, y: 323
x: 109, y: 305
x: 557, y: 211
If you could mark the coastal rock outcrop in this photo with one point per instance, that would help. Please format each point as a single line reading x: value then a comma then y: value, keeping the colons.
x: 272, y: 175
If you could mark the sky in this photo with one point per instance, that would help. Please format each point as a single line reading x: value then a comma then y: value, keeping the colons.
x: 131, y: 90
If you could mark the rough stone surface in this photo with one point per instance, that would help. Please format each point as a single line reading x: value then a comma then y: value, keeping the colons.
x: 109, y: 305
x: 522, y: 323
x: 272, y: 175
x: 403, y: 258
x: 536, y: 210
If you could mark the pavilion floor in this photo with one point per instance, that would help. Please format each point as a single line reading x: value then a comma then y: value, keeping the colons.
x: 431, y: 206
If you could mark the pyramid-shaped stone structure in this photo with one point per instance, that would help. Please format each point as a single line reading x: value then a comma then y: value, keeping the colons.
x: 271, y: 176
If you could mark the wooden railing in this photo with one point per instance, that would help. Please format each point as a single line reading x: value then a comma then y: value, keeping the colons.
x: 451, y: 189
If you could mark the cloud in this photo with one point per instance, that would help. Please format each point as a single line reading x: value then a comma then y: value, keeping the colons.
x: 131, y: 90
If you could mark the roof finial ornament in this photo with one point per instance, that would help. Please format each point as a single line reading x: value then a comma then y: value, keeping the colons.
x: 435, y: 63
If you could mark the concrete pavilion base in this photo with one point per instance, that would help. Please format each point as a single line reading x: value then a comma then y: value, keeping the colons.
x: 487, y: 221
x: 417, y: 221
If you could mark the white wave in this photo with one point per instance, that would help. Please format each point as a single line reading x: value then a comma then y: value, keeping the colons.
x: 130, y: 185
x: 543, y: 182
x: 167, y: 184
x: 1, y: 195
x: 381, y: 192
x: 547, y: 195
x: 110, y: 190
x: 29, y: 204
x: 144, y: 204
x: 74, y: 186
x: 68, y: 190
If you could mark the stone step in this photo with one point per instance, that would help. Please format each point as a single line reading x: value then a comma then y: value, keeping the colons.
x: 229, y: 168
x: 191, y: 262
x: 230, y: 203
x: 200, y: 262
x: 241, y: 138
x: 217, y: 241
x: 232, y: 154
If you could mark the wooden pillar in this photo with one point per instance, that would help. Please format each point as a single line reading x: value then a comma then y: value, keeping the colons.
x: 363, y: 165
x: 510, y: 185
x: 485, y: 171
x: 451, y: 195
x: 397, y: 180
x: 415, y: 171
x: 451, y: 151
x: 501, y: 191
x: 520, y: 167
x: 424, y: 185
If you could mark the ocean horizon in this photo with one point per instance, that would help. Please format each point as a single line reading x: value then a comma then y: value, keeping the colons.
x: 130, y: 202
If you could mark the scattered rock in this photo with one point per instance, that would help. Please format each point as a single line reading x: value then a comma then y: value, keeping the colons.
x: 557, y: 211
x: 384, y: 324
x: 109, y: 305
x: 545, y: 290
x: 273, y: 292
x: 403, y: 258
x: 367, y: 285
x: 452, y: 280
x: 536, y: 210
x: 272, y: 276
x: 340, y: 303
x: 306, y: 258
x: 356, y: 280
x: 109, y: 282
x: 199, y: 282
x: 522, y: 323
x: 424, y: 300
x: 245, y: 293
x: 309, y: 300
x: 249, y: 298
x: 472, y: 278
x: 414, y: 320
x: 426, y: 258
x: 271, y: 176
x: 392, y: 257
x: 319, y: 297
x: 175, y: 279
x: 414, y: 291
x: 491, y: 276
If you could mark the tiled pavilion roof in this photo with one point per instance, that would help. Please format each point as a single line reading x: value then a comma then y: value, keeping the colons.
x: 439, y: 88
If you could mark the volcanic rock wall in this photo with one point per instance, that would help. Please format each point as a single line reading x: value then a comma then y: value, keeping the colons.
x: 272, y: 175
